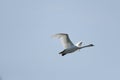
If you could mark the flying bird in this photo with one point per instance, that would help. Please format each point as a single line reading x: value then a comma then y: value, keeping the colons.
x: 69, y: 47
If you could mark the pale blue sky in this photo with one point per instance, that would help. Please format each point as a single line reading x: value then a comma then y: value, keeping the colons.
x: 27, y: 51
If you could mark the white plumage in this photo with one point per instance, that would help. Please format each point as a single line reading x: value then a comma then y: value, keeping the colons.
x: 69, y: 47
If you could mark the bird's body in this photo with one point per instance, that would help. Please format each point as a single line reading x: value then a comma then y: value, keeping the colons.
x: 69, y: 50
x: 69, y: 47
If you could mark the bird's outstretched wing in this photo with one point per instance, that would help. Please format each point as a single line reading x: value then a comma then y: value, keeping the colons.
x: 66, y: 42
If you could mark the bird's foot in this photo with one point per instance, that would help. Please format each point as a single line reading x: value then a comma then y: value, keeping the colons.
x: 63, y: 54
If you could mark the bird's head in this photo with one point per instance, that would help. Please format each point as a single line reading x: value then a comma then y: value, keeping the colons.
x: 90, y: 45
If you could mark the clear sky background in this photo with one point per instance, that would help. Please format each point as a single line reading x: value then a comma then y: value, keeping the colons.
x: 27, y: 51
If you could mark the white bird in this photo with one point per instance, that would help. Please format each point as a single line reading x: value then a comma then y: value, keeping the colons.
x: 69, y: 47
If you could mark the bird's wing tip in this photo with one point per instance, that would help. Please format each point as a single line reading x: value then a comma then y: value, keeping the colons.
x: 58, y: 35
x: 55, y: 36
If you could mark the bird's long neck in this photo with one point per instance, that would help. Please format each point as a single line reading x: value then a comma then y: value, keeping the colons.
x: 90, y: 45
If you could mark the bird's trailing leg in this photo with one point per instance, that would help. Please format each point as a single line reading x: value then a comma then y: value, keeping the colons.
x: 62, y: 53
